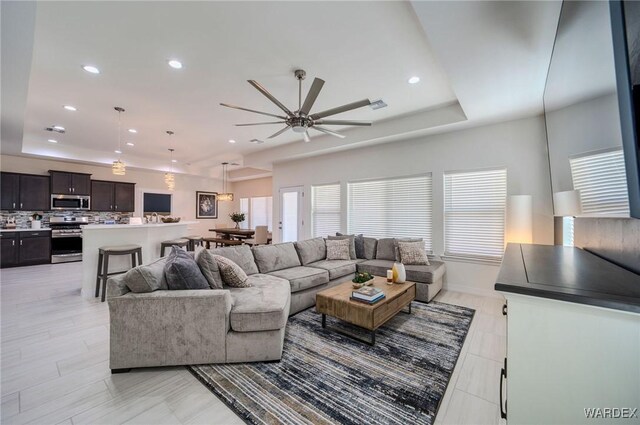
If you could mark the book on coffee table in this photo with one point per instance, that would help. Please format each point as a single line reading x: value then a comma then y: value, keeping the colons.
x: 368, y: 293
x: 360, y: 300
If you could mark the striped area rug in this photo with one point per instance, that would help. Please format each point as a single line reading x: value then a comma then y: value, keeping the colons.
x: 327, y: 378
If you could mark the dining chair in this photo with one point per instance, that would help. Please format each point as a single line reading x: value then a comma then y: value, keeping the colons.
x: 260, y: 237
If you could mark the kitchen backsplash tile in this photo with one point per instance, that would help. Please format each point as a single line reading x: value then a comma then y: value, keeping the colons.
x: 22, y: 218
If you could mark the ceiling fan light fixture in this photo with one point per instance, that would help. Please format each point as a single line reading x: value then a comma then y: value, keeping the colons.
x: 299, y: 128
x: 378, y: 104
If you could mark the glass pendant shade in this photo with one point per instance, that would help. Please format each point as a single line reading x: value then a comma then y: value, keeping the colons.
x: 118, y: 168
x: 227, y: 196
x: 170, y: 180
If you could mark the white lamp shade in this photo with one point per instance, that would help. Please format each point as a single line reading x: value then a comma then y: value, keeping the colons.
x: 567, y: 203
x: 520, y: 219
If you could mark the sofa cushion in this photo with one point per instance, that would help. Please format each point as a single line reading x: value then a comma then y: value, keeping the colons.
x: 358, y: 242
x: 270, y: 258
x: 386, y: 249
x: 338, y: 249
x: 241, y: 255
x: 424, y: 274
x: 311, y: 250
x: 303, y: 277
x: 336, y: 268
x: 262, y: 307
x: 398, y: 240
x: 412, y: 253
x: 369, y: 248
x: 352, y: 244
x: 232, y: 274
x: 147, y: 278
x: 182, y: 272
x: 209, y: 268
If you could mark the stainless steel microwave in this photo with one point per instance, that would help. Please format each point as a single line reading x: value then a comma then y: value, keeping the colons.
x: 70, y: 202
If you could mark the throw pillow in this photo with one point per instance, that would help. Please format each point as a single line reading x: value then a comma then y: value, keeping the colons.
x: 352, y: 244
x: 209, y: 268
x: 413, y: 253
x: 232, y: 274
x: 396, y: 252
x: 147, y: 278
x: 359, y: 244
x: 338, y: 249
x: 182, y: 272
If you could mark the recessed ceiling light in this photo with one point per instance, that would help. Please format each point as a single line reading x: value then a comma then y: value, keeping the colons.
x: 231, y: 141
x: 175, y: 64
x: 118, y: 151
x: 52, y: 141
x: 174, y: 160
x: 133, y: 130
x: 414, y: 80
x: 91, y: 69
x: 70, y: 108
x: 58, y: 127
x: 130, y: 144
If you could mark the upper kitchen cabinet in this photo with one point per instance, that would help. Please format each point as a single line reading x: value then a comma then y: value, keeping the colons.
x: 64, y: 183
x: 24, y: 192
x: 112, y: 196
x: 124, y: 197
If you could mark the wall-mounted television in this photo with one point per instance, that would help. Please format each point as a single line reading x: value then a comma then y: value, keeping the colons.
x: 156, y: 202
x: 625, y: 26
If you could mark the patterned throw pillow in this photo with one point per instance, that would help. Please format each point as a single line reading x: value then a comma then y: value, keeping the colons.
x: 338, y: 249
x: 232, y: 274
x: 412, y: 253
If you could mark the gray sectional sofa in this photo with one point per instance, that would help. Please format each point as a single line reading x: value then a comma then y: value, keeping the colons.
x: 163, y: 327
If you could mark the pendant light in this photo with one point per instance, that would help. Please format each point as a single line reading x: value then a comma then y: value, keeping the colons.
x: 169, y: 178
x: 225, y: 196
x: 118, y: 167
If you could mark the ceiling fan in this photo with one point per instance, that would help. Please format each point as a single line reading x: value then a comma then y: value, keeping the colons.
x: 300, y: 121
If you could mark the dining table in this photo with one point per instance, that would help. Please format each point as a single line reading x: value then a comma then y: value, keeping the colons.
x: 232, y: 232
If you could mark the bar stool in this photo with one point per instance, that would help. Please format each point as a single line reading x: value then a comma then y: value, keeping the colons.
x: 182, y: 243
x: 103, y: 263
x: 194, y: 241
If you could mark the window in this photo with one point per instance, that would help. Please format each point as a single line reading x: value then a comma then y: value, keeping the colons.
x: 474, y: 213
x: 244, y: 208
x: 325, y: 210
x: 602, y: 182
x: 398, y: 208
x: 261, y: 211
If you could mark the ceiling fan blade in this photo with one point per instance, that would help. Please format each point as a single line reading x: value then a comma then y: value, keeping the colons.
x: 279, y: 132
x: 251, y: 110
x: 327, y: 131
x: 270, y: 96
x: 342, y: 122
x: 261, y: 123
x: 340, y: 109
x: 314, y: 91
x: 307, y: 139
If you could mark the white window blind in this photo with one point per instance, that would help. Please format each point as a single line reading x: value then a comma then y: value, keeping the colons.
x: 325, y: 210
x: 602, y: 181
x: 261, y: 211
x: 244, y: 208
x: 400, y: 207
x: 474, y: 213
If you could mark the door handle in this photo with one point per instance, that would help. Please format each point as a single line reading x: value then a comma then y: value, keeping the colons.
x: 116, y: 207
x: 20, y: 204
x: 13, y: 243
x: 504, y: 309
x: 73, y: 189
x: 14, y: 205
x: 69, y: 190
x: 20, y: 242
x: 503, y: 376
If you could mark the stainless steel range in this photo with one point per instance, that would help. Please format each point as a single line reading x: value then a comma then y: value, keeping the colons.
x: 66, y: 238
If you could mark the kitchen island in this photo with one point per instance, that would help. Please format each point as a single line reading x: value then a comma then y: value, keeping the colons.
x: 148, y: 236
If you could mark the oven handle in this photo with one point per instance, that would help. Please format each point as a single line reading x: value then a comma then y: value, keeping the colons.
x: 66, y: 236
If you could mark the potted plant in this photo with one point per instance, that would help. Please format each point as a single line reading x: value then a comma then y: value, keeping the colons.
x: 237, y: 217
x: 362, y: 279
x: 36, y: 221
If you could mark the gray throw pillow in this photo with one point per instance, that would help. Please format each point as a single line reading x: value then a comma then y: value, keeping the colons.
x: 386, y: 249
x: 359, y: 244
x: 370, y: 246
x: 352, y: 244
x: 209, y: 268
x: 338, y: 249
x: 232, y: 274
x: 147, y: 278
x: 413, y: 253
x: 182, y: 272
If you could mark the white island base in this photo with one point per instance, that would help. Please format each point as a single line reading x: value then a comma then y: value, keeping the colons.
x: 148, y: 236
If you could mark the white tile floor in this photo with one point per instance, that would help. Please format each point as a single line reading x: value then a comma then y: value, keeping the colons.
x: 54, y: 362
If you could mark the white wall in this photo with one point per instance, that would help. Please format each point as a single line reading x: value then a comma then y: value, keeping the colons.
x: 519, y: 145
x: 184, y: 196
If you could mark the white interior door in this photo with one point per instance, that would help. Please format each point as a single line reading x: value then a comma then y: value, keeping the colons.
x: 291, y: 218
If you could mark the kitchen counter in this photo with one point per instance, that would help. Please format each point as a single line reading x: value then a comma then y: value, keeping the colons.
x: 148, y: 236
x: 44, y: 229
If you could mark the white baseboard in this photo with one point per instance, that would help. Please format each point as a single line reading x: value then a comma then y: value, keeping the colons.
x: 484, y: 292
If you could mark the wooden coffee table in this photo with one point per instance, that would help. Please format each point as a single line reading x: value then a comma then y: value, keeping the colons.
x: 336, y: 302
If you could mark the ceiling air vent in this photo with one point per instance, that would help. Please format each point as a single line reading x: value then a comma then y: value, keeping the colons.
x: 55, y: 129
x: 378, y: 104
x: 256, y: 141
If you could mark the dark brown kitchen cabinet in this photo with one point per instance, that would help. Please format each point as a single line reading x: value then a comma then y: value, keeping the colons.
x: 112, y: 196
x: 9, y: 191
x: 25, y: 248
x: 64, y: 183
x: 24, y: 192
